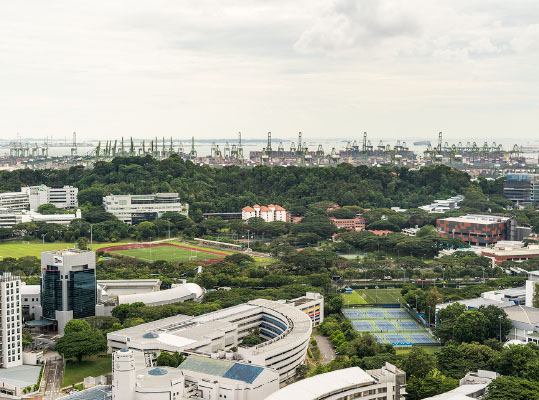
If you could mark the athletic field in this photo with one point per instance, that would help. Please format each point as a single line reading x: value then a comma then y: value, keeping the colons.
x: 373, y: 296
x: 17, y: 249
x: 167, y: 252
x: 389, y: 325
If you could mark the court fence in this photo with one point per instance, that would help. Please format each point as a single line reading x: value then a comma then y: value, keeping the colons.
x: 416, y: 316
x: 381, y: 305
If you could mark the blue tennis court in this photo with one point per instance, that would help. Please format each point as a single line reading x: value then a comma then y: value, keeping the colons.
x: 362, y: 326
x: 379, y: 339
x: 385, y: 325
x: 353, y: 314
x: 396, y: 339
x: 420, y: 338
x: 408, y: 325
x: 375, y: 314
x: 397, y: 314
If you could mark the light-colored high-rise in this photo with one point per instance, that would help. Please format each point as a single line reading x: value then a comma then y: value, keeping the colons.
x: 10, y: 321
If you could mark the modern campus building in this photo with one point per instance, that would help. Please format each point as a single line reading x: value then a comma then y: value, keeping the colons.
x: 516, y: 253
x: 30, y: 300
x: 386, y: 383
x: 473, y: 386
x: 197, y: 377
x: 9, y: 218
x: 133, y: 209
x: 481, y: 230
x: 311, y: 304
x: 177, y: 294
x: 352, y: 224
x: 521, y: 188
x: 68, y: 286
x: 442, y: 206
x: 31, y: 197
x: 10, y: 321
x: 270, y: 213
x: 285, y: 329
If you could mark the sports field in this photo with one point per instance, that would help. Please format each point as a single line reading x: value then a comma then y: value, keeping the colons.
x: 384, y: 296
x: 389, y: 325
x: 353, y: 298
x: 373, y: 296
x: 18, y: 249
x: 167, y: 252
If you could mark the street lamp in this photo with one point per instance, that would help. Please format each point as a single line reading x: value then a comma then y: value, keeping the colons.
x: 150, y: 249
x: 43, y: 237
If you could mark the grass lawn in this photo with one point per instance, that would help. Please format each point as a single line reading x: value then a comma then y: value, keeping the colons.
x: 384, y: 295
x: 406, y: 350
x: 196, y: 246
x: 16, y: 248
x: 168, y: 253
x: 353, y: 298
x: 89, y: 366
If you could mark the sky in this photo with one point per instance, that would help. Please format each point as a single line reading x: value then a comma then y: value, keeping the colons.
x: 328, y: 68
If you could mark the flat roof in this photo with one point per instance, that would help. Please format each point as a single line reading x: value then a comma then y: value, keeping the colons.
x: 478, y: 302
x: 20, y: 376
x: 527, y: 315
x: 317, y: 386
x: 222, y: 368
x: 95, y: 393
x: 478, y: 219
x: 30, y: 289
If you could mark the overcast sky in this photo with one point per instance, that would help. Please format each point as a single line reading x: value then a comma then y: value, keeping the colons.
x: 328, y: 68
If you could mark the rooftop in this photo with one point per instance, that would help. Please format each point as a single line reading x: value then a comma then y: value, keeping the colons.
x: 527, y: 315
x: 168, y: 295
x: 478, y: 302
x: 478, y: 219
x: 95, y: 393
x: 20, y: 376
x: 225, y: 369
x: 319, y: 385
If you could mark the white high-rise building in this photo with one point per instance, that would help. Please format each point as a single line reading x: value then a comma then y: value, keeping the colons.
x: 136, y: 208
x: 10, y: 321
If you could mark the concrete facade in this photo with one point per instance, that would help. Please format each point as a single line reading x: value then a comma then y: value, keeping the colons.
x: 10, y: 321
x: 133, y: 209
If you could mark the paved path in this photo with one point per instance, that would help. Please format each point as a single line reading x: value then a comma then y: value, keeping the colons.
x: 326, y: 349
x: 54, y: 372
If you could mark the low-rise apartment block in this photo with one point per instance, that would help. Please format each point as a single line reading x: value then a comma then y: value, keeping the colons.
x: 351, y: 224
x: 270, y: 213
x: 136, y: 208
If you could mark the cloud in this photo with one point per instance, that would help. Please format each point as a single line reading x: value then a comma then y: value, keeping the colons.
x: 349, y: 24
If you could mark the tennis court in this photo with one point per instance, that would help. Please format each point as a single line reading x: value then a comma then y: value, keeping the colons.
x: 353, y: 313
x: 398, y: 314
x: 421, y: 338
x: 375, y: 314
x: 386, y: 326
x: 408, y: 325
x: 389, y: 325
x: 362, y: 326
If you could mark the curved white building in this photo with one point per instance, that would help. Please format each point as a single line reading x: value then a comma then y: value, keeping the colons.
x: 181, y: 293
x: 386, y: 383
x: 286, y: 331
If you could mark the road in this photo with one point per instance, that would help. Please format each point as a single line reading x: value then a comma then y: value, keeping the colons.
x: 326, y: 349
x: 54, y: 372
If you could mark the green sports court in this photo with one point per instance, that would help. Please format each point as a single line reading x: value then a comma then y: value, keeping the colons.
x: 389, y: 325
